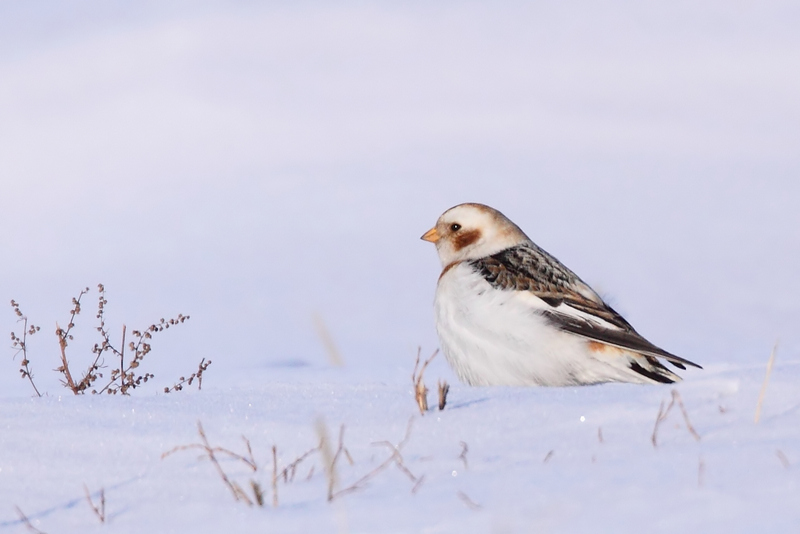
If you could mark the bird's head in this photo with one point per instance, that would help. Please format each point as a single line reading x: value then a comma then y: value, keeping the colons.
x: 472, y: 231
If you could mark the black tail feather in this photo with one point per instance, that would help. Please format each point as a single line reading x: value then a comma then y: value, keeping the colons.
x: 651, y: 374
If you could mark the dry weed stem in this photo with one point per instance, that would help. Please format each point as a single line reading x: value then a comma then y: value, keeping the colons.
x: 395, y: 457
x: 472, y: 505
x: 22, y: 345
x: 444, y: 389
x: 420, y: 391
x: 100, y: 508
x: 26, y: 521
x: 463, y: 455
x: 763, y: 391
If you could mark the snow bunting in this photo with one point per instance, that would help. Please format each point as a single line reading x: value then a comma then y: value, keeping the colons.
x: 508, y: 313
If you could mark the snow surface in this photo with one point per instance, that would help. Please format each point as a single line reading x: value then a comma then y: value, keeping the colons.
x: 731, y: 480
x: 254, y: 165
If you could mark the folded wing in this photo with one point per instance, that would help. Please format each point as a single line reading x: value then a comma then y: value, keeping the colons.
x: 568, y: 302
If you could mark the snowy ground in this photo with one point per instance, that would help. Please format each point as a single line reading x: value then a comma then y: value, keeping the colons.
x: 554, y: 460
x: 255, y: 165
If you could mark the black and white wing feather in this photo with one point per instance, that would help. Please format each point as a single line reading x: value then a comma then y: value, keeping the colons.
x: 572, y: 305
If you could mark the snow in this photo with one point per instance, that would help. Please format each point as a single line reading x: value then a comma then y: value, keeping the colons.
x: 731, y: 479
x: 256, y: 165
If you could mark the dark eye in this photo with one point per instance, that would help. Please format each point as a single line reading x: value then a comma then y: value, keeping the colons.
x: 455, y: 227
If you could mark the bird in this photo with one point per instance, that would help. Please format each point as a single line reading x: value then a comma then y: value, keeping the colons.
x: 510, y: 314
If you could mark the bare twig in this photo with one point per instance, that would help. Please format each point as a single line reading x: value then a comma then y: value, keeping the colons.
x: 420, y: 391
x: 398, y: 460
x: 242, y: 495
x: 62, y: 343
x: 341, y: 449
x: 258, y: 493
x: 358, y: 484
x: 701, y: 472
x: 221, y: 450
x: 22, y: 345
x: 444, y: 389
x: 472, y: 505
x: 99, y: 509
x: 64, y: 336
x: 463, y: 455
x: 122, y: 352
x: 198, y: 375
x: 782, y: 457
x: 274, y: 476
x: 251, y: 459
x: 123, y: 377
x: 27, y: 522
x: 548, y: 456
x: 328, y: 458
x: 393, y: 458
x: 676, y: 396
x: 662, y: 415
x: 334, y: 356
x: 763, y: 392
x: 235, y: 489
x: 237, y: 492
x: 288, y: 473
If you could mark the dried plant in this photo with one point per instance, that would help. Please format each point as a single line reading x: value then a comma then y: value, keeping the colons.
x: 689, y: 427
x: 63, y: 337
x: 444, y: 389
x: 288, y: 473
x: 334, y: 356
x: 399, y: 462
x: 420, y: 391
x: 124, y: 375
x: 275, y: 476
x: 248, y: 460
x: 211, y: 453
x: 763, y: 391
x: 330, y: 458
x: 26, y: 521
x: 663, y: 413
x: 472, y: 505
x: 701, y: 472
x: 463, y: 455
x: 21, y: 344
x: 100, y: 508
x: 197, y: 375
x: 257, y: 492
x: 395, y: 458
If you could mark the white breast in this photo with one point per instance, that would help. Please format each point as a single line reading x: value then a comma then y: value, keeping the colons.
x: 495, y: 337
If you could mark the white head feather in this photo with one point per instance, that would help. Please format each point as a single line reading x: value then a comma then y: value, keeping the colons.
x: 473, y: 231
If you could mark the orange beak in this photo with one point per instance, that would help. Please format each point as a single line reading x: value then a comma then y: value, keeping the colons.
x: 431, y: 235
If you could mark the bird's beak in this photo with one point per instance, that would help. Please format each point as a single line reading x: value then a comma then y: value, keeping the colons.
x: 431, y: 235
